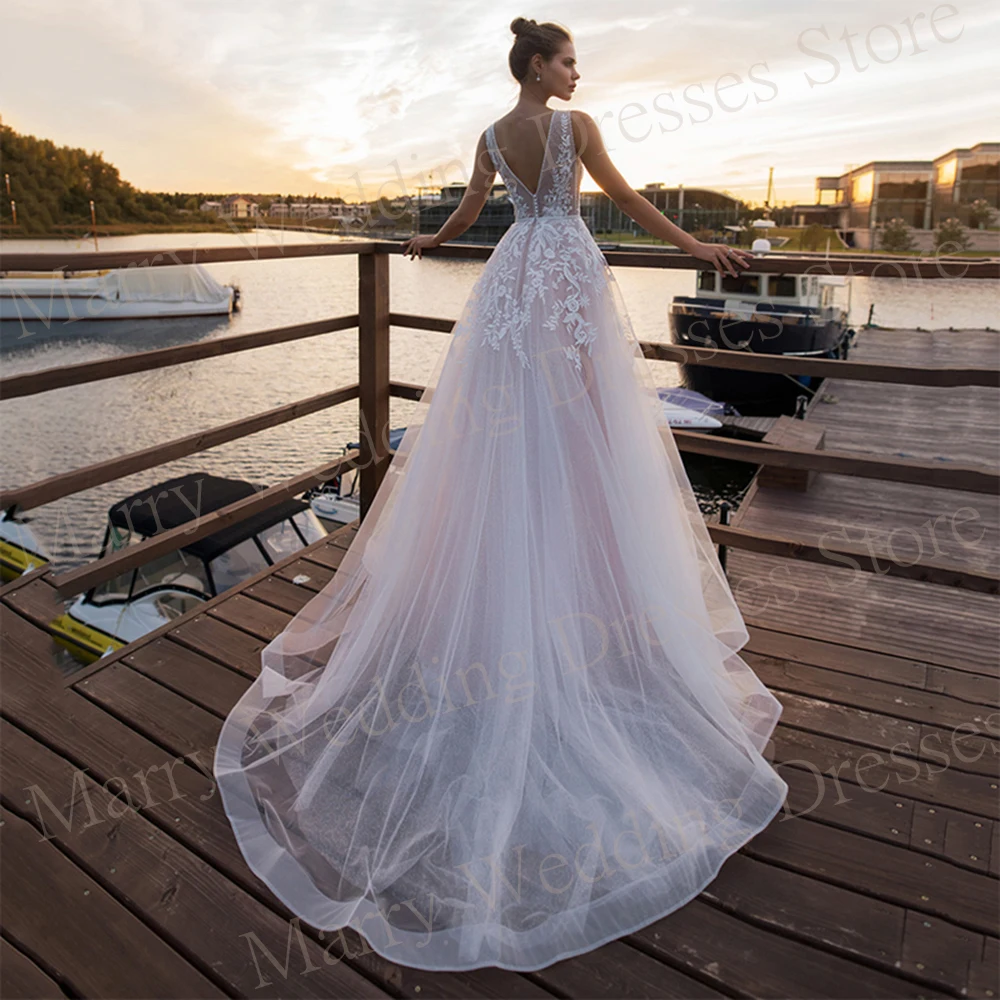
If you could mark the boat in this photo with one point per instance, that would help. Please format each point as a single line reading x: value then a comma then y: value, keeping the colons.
x: 692, y: 411
x: 764, y: 313
x: 115, y: 293
x: 20, y: 550
x: 333, y: 500
x: 140, y: 600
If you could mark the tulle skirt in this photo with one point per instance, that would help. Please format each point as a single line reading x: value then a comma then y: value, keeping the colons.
x: 515, y: 724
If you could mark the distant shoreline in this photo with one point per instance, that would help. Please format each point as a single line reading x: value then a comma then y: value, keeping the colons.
x: 621, y: 239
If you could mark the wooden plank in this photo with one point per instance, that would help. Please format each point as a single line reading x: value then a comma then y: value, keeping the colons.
x: 735, y: 955
x: 951, y: 475
x: 182, y: 898
x: 965, y: 346
x: 37, y: 599
x: 41, y: 886
x: 953, y: 834
x: 96, y: 260
x: 963, y: 752
x: 153, y: 710
x: 902, y: 618
x: 198, y: 679
x: 344, y: 537
x: 83, y: 732
x: 20, y: 977
x: 850, y: 922
x: 837, y: 555
x: 884, y: 698
x: 884, y: 871
x: 178, y: 793
x: 934, y: 947
x: 373, y: 373
x: 984, y: 975
x: 906, y: 671
x: 243, y: 612
x: 329, y: 556
x: 974, y: 688
x: 98, y: 473
x: 287, y: 597
x: 892, y: 522
x: 213, y: 638
x: 800, y: 435
x: 869, y: 771
x: 889, y: 815
x: 615, y: 971
x: 47, y: 379
x: 893, y: 421
x: 318, y: 575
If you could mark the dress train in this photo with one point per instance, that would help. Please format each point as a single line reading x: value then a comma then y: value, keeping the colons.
x: 515, y: 724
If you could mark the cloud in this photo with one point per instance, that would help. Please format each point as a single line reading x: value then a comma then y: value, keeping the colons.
x: 261, y: 96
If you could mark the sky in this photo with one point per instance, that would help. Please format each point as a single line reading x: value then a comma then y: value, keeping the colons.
x: 357, y: 99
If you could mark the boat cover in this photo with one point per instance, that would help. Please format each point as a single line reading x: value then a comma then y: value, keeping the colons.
x: 171, y: 283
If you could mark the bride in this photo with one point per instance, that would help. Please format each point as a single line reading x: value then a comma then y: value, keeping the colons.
x: 515, y: 725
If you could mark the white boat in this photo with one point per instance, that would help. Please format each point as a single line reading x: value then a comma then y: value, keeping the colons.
x: 690, y: 410
x: 337, y: 502
x: 120, y: 293
x: 329, y: 505
x: 140, y: 600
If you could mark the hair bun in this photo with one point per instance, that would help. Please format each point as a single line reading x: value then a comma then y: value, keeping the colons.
x: 521, y: 25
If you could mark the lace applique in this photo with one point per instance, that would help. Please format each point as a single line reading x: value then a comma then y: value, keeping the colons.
x: 547, y: 257
x: 561, y: 196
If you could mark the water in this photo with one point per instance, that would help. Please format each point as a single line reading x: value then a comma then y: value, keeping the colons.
x: 68, y: 428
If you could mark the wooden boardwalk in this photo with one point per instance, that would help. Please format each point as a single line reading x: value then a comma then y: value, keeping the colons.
x: 119, y: 873
x: 121, y: 876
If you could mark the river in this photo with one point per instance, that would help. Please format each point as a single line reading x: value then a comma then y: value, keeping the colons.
x: 68, y: 428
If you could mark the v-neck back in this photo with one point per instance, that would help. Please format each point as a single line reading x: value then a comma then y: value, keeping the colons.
x: 557, y: 192
x: 545, y: 154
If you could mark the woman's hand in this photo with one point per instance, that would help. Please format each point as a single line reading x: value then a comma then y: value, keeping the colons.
x: 416, y: 244
x: 723, y: 257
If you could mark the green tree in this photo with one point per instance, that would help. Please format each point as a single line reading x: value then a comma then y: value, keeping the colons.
x: 813, y: 237
x: 981, y: 213
x: 951, y: 236
x: 896, y: 237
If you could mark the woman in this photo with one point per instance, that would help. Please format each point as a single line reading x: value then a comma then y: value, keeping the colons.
x: 515, y: 725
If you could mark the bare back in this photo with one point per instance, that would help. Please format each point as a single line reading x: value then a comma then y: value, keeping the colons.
x: 538, y: 161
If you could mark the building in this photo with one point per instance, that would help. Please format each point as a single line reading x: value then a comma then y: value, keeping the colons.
x: 238, y: 206
x: 689, y: 208
x: 498, y: 213
x: 312, y: 210
x: 923, y: 193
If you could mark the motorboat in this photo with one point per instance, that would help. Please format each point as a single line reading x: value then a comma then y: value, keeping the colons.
x: 765, y: 313
x: 140, y: 600
x: 20, y: 550
x: 692, y: 411
x: 337, y: 500
x: 115, y: 293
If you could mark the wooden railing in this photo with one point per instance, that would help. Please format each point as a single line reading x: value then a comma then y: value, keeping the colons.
x: 374, y: 388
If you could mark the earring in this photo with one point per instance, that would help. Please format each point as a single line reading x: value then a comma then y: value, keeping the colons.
x: 537, y: 77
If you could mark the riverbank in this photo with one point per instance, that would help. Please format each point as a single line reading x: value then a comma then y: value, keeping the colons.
x: 623, y: 238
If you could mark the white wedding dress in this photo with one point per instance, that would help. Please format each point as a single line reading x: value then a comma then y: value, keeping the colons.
x: 515, y: 724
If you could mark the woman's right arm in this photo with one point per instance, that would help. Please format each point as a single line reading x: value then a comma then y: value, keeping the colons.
x: 476, y: 193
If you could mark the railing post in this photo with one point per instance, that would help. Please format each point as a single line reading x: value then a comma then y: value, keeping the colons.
x: 373, y: 372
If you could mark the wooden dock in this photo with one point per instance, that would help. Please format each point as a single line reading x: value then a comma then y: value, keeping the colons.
x: 119, y: 872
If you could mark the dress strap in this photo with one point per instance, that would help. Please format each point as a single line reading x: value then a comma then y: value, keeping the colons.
x: 491, y: 145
